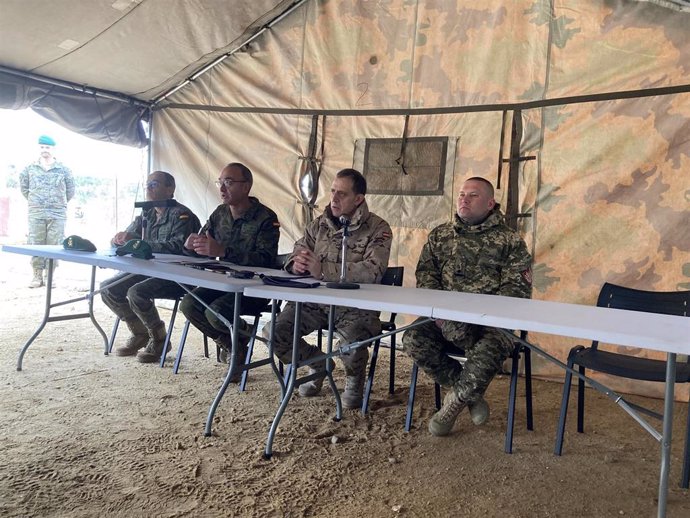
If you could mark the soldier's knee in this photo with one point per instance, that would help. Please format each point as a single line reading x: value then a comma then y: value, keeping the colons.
x: 187, y: 305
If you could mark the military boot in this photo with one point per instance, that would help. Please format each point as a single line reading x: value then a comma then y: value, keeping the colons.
x: 45, y: 282
x: 313, y: 388
x: 354, y: 391
x: 37, y: 281
x: 441, y: 423
x: 479, y: 411
x: 138, y: 339
x: 224, y: 344
x: 154, y: 347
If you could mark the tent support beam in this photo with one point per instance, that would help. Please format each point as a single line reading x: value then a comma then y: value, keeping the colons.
x: 542, y: 103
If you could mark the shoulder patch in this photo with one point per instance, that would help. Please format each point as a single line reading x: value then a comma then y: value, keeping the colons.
x: 276, y: 224
x: 184, y: 216
x: 527, y: 275
x: 386, y: 234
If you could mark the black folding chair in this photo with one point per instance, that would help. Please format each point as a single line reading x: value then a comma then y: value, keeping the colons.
x: 518, y: 350
x: 393, y: 276
x: 624, y: 365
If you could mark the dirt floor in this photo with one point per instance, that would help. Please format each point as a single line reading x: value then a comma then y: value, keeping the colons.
x: 84, y: 434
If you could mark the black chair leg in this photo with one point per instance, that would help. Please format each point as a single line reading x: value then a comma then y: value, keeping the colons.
x: 558, y: 448
x: 508, y: 446
x: 168, y: 335
x: 180, y: 349
x: 685, y: 476
x: 391, y: 376
x: 437, y: 395
x: 250, y: 351
x: 410, y: 399
x: 205, y: 346
x: 370, y: 378
x: 528, y: 387
x: 112, y: 335
x: 581, y: 402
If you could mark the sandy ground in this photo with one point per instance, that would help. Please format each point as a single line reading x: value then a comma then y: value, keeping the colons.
x: 86, y: 434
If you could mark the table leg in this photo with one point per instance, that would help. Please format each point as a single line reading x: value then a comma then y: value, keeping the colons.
x: 329, y: 370
x: 233, y: 364
x: 268, y: 451
x: 49, y: 306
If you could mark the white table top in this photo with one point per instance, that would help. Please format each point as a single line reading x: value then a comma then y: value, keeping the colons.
x: 161, y: 266
x: 629, y: 328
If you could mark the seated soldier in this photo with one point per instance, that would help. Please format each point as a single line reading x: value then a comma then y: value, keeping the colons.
x: 319, y: 253
x: 131, y: 298
x: 242, y: 231
x: 475, y: 253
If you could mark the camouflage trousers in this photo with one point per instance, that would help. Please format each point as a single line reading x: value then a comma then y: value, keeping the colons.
x: 131, y: 297
x: 351, y: 325
x: 220, y: 302
x: 45, y: 231
x: 485, y: 348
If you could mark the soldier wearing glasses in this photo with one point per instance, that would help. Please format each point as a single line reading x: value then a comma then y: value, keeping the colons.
x: 47, y: 185
x: 242, y: 231
x: 132, y: 297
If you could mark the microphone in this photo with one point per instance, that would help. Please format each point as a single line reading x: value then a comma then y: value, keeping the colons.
x: 342, y: 284
x: 151, y: 204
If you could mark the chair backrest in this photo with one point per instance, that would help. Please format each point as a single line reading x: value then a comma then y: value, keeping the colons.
x: 393, y: 276
x: 281, y: 259
x: 663, y: 302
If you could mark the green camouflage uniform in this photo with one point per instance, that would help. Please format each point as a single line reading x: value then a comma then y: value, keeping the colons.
x: 47, y: 191
x: 250, y: 240
x: 368, y: 249
x: 487, y: 258
x: 132, y: 297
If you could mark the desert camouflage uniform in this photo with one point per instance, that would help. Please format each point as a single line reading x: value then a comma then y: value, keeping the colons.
x: 47, y: 191
x: 368, y: 248
x: 487, y: 258
x: 250, y: 240
x: 131, y: 297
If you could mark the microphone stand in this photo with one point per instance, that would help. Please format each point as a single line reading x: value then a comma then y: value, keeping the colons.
x: 342, y: 284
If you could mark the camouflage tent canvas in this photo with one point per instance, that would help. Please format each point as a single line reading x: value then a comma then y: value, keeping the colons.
x: 579, y: 111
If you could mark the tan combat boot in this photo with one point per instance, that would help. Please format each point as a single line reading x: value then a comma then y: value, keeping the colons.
x: 138, y: 339
x: 37, y: 281
x: 354, y: 391
x: 441, y: 423
x: 154, y: 347
x: 479, y: 411
x: 313, y: 388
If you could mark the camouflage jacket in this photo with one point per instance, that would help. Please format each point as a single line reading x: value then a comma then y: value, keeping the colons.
x: 47, y: 191
x: 166, y: 234
x: 368, y: 246
x: 488, y: 258
x: 250, y: 240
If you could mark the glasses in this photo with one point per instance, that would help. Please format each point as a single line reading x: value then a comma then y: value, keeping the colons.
x: 228, y: 182
x: 153, y: 184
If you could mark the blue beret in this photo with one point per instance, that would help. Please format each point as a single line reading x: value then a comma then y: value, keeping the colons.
x: 45, y: 140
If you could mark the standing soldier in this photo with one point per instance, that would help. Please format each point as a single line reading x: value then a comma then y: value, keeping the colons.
x: 47, y: 185
x: 475, y: 253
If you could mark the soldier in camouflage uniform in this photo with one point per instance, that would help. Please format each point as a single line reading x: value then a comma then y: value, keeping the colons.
x: 131, y: 297
x: 242, y: 231
x: 319, y: 253
x: 47, y: 185
x: 476, y: 253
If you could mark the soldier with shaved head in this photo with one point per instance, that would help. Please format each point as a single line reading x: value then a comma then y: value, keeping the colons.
x: 475, y: 253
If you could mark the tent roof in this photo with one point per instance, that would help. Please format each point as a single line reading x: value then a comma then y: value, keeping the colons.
x: 134, y: 50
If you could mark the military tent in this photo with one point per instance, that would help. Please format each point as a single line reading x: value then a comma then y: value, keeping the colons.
x: 579, y: 112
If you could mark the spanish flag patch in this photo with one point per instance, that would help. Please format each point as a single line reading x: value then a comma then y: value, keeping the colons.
x: 184, y: 216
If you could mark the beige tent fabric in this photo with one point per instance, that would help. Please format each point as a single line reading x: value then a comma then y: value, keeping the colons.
x: 608, y: 193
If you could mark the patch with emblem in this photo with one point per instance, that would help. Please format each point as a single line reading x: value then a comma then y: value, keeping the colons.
x: 527, y: 275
